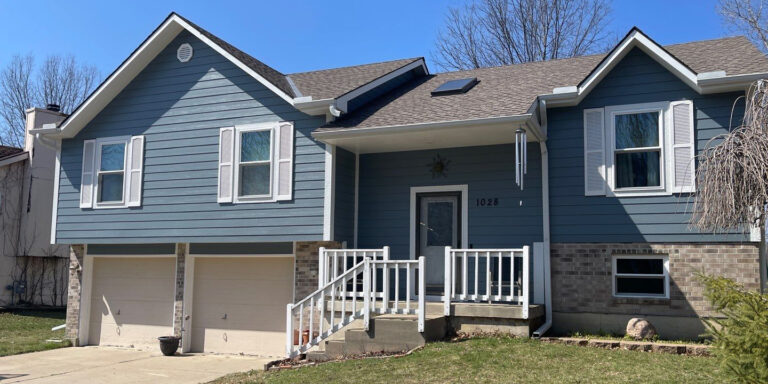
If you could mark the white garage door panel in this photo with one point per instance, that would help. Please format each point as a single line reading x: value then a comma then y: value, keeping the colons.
x: 131, y: 301
x: 253, y: 293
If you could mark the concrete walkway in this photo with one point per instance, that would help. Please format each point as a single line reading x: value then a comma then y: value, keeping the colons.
x: 113, y: 365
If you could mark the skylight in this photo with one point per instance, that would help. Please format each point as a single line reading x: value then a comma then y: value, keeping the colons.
x: 455, y: 86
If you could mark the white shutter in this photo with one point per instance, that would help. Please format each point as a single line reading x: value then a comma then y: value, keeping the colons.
x: 86, y: 178
x: 683, y: 156
x: 226, y: 162
x: 284, y: 161
x: 594, y: 153
x: 135, y: 171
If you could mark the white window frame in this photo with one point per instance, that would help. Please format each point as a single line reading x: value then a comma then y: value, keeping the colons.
x: 125, y: 140
x: 610, y: 149
x: 271, y: 196
x: 665, y: 275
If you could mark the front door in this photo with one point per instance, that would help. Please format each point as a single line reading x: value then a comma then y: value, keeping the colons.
x: 438, y: 226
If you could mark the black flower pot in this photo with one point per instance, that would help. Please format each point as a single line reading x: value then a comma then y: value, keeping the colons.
x: 169, y: 344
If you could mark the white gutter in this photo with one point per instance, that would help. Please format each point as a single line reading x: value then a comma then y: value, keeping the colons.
x: 356, y: 132
x: 545, y: 226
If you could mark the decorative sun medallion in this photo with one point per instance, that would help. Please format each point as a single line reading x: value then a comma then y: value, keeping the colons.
x: 438, y: 166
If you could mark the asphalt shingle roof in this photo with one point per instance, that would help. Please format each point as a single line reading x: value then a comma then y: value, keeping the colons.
x: 510, y: 90
x: 6, y: 151
x: 335, y: 82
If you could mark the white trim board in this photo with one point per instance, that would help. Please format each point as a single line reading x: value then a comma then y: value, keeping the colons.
x: 137, y: 61
x: 703, y: 83
x: 55, y: 207
x: 329, y: 195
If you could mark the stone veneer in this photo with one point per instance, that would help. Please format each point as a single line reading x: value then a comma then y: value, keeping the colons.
x: 76, y: 254
x: 582, y: 279
x: 307, y: 253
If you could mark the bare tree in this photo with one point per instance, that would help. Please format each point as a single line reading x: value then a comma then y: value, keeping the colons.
x: 60, y: 80
x: 500, y: 32
x: 749, y: 17
x: 732, y: 176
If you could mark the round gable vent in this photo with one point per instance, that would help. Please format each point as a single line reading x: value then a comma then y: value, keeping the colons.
x: 184, y: 53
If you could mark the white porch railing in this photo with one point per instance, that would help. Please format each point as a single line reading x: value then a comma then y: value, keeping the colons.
x: 373, y: 279
x: 490, y: 275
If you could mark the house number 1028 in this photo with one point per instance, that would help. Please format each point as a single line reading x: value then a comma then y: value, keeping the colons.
x: 488, y: 202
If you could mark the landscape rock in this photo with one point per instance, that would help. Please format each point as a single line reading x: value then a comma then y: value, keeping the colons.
x: 640, y: 329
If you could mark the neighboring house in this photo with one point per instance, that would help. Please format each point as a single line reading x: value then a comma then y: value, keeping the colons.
x: 32, y: 270
x: 196, y: 186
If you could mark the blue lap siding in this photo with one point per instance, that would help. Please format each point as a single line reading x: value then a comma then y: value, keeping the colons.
x: 576, y: 218
x: 489, y: 171
x: 179, y: 107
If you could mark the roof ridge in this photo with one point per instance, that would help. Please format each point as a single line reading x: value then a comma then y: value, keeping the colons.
x: 412, y: 59
x: 584, y: 56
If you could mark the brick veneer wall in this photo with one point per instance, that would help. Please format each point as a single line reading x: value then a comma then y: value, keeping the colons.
x: 76, y: 253
x: 582, y: 280
x: 307, y: 266
x: 178, y: 304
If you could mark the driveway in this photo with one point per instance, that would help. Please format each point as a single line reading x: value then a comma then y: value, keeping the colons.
x: 114, y: 365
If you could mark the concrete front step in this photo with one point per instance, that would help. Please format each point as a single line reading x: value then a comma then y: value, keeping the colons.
x: 386, y: 334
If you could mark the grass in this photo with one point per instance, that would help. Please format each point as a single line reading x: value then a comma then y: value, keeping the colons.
x: 502, y: 360
x: 25, y: 331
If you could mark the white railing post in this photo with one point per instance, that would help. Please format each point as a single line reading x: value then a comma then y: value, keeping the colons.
x: 525, y: 288
x: 422, y: 292
x: 289, y: 330
x: 321, y: 267
x: 366, y: 294
x: 447, y: 283
x: 385, y: 279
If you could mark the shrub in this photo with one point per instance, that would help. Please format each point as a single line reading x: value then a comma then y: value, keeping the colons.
x: 741, y: 335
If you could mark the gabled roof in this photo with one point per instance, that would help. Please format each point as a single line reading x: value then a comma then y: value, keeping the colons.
x: 314, y: 94
x: 334, y: 82
x: 713, y: 65
x: 147, y: 51
x: 272, y: 75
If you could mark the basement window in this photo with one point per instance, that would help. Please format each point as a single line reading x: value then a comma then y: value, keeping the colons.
x: 641, y: 276
x: 455, y: 86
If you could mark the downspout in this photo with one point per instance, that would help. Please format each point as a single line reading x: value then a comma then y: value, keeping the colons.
x: 545, y: 222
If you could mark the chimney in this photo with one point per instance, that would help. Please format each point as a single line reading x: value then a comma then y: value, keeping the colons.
x: 36, y: 118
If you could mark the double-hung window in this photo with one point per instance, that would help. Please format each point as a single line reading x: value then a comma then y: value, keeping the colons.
x: 256, y: 163
x: 254, y: 171
x: 639, y: 149
x: 638, y: 159
x: 110, y: 186
x: 112, y: 172
x: 641, y: 276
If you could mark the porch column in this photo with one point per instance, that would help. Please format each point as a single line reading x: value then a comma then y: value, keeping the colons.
x: 74, y: 290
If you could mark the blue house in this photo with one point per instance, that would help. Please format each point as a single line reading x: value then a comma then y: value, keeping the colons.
x: 205, y: 194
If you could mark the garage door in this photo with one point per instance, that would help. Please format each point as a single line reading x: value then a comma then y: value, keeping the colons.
x: 131, y: 301
x: 239, y: 304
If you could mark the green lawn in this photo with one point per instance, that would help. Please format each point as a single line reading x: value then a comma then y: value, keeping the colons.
x: 502, y: 360
x: 26, y: 331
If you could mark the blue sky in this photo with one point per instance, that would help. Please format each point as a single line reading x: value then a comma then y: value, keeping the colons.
x: 294, y: 35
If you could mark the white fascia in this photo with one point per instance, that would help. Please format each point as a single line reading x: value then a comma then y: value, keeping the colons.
x: 136, y: 62
x: 355, y: 132
x: 703, y: 83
